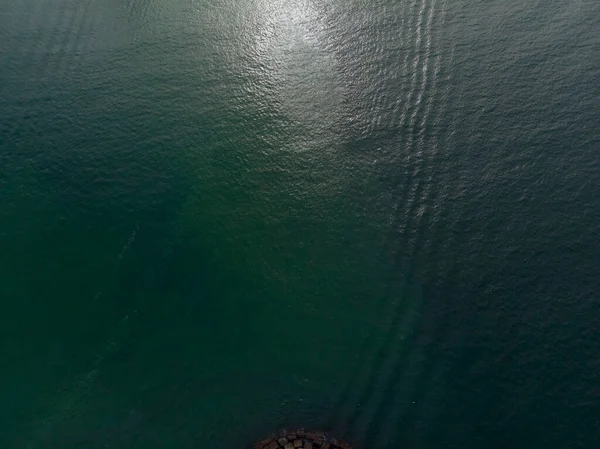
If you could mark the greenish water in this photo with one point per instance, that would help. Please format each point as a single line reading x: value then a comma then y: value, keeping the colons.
x: 378, y: 218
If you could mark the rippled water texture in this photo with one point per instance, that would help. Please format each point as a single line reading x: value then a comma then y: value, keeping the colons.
x: 378, y: 218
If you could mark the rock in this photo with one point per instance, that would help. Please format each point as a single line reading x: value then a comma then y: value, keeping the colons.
x: 315, y: 435
x: 300, y: 439
x: 264, y: 443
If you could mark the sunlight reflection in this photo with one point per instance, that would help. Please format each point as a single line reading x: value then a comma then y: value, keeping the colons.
x: 285, y: 24
x: 290, y: 59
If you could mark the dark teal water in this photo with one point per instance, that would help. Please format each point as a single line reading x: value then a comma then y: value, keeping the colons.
x: 380, y: 218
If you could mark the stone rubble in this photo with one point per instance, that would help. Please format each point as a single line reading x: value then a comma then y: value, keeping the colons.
x: 299, y: 439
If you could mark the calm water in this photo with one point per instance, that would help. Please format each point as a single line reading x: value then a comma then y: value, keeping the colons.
x: 379, y: 218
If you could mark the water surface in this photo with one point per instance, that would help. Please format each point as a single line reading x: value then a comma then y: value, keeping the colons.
x: 374, y: 217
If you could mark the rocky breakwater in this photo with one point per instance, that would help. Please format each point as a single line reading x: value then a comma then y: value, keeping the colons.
x: 299, y: 439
